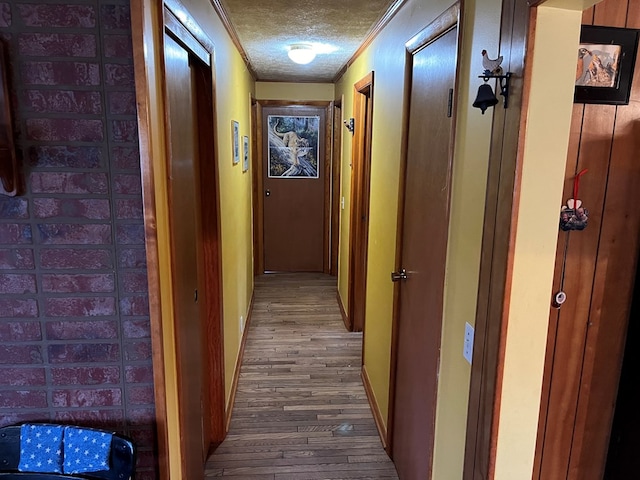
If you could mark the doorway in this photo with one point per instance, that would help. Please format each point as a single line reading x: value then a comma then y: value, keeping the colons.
x: 360, y: 192
x: 432, y: 57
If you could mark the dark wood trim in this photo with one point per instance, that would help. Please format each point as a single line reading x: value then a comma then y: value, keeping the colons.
x: 496, y: 260
x: 139, y: 35
x: 328, y: 200
x: 336, y: 175
x: 435, y: 29
x: 188, y: 23
x: 185, y: 37
x: 375, y: 408
x: 257, y: 188
x: 236, y: 371
x: 224, y: 18
x: 343, y: 312
x: 391, y: 12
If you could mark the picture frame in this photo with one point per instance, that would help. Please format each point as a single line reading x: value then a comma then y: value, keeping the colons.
x: 293, y: 147
x: 235, y: 141
x: 245, y: 161
x: 605, y: 65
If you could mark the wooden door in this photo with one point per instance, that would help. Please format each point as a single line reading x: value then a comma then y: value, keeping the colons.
x: 425, y: 221
x: 185, y: 234
x: 293, y: 142
x: 360, y: 196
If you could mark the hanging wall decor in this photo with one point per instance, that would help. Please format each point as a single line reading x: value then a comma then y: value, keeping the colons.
x: 293, y: 146
x: 573, y: 215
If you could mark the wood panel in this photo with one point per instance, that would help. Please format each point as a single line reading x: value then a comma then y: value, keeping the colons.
x: 336, y: 168
x: 301, y: 410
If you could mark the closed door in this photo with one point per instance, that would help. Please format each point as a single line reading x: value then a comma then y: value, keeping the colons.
x: 294, y: 189
x: 185, y: 232
x: 423, y: 256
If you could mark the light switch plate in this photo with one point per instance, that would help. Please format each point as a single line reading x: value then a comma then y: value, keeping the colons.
x: 467, y: 351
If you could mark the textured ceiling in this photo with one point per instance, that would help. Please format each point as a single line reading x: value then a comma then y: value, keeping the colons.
x: 266, y: 28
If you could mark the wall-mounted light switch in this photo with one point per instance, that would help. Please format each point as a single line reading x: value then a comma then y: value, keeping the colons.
x: 467, y: 351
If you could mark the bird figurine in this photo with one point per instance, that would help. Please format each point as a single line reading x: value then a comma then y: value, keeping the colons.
x: 491, y: 67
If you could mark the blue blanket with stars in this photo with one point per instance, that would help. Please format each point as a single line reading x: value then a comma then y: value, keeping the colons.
x: 58, y: 449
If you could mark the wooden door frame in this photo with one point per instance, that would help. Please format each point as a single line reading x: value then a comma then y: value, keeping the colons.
x: 258, y: 184
x: 449, y: 19
x: 336, y: 170
x: 150, y: 20
x: 360, y: 200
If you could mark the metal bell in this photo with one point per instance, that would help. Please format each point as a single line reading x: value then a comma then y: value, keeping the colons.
x: 485, y: 98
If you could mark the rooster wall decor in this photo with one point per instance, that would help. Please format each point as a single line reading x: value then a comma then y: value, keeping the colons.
x: 492, y: 69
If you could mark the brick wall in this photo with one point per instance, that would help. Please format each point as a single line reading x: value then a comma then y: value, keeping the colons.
x: 74, y: 324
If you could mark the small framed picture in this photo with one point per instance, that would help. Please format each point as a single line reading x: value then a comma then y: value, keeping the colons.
x: 235, y: 139
x: 245, y: 161
x: 606, y: 59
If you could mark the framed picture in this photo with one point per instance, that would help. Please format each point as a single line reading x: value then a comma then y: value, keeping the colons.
x: 606, y: 60
x: 245, y: 161
x: 293, y: 146
x: 235, y: 139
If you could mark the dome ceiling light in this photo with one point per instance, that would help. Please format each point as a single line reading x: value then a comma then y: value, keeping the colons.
x: 302, y: 53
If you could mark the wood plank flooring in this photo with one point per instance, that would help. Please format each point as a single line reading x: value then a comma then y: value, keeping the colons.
x: 301, y: 412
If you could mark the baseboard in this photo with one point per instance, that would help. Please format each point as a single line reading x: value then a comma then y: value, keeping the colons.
x: 343, y: 312
x: 375, y: 409
x: 236, y: 372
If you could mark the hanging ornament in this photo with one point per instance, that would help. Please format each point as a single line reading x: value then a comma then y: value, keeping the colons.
x: 573, y: 216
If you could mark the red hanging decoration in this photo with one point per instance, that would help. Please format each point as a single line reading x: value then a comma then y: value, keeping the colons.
x: 573, y: 215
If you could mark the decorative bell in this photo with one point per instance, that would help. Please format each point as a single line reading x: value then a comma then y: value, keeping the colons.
x: 485, y: 98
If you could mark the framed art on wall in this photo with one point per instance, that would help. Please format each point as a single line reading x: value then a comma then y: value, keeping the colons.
x: 605, y: 65
x: 245, y: 150
x: 235, y: 139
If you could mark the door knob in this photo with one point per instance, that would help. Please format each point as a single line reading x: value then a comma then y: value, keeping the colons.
x: 400, y: 275
x: 267, y: 192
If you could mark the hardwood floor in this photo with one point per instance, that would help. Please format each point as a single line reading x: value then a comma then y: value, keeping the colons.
x: 301, y: 411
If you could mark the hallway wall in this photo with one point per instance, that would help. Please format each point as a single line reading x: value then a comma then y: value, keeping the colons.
x: 386, y: 57
x: 74, y: 314
x: 307, y: 92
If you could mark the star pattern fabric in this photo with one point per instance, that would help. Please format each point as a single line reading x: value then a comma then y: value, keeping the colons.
x: 40, y: 448
x: 86, y: 450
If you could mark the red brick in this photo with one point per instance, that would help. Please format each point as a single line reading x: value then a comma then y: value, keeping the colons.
x: 20, y: 354
x: 85, y: 375
x: 14, y: 418
x: 69, y: 16
x: 15, y: 208
x: 137, y: 351
x: 64, y: 130
x: 17, y: 258
x: 126, y: 158
x: 119, y: 75
x: 46, y: 156
x: 93, y: 209
x: 134, y: 282
x: 20, y: 331
x: 115, y: 17
x: 23, y: 399
x: 134, y: 306
x: 136, y: 329
x: 71, y: 234
x: 145, y: 459
x: 129, y: 209
x: 82, y: 330
x: 117, y: 46
x: 140, y: 395
x: 104, y: 397
x: 69, y: 258
x: 72, y: 283
x: 17, y: 283
x: 122, y: 103
x: 139, y: 374
x: 80, y: 307
x: 72, y: 183
x: 132, y: 258
x: 5, y: 15
x: 127, y: 184
x: 130, y: 234
x: 15, y: 234
x: 61, y: 73
x: 141, y: 416
x: 84, y: 353
x: 56, y: 45
x: 20, y: 377
x: 92, y: 418
x: 124, y: 131
x: 142, y: 436
x: 63, y: 101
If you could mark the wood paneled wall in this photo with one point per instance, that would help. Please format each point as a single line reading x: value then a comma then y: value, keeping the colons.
x: 596, y: 268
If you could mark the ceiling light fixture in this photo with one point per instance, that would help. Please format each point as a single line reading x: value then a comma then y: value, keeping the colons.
x: 301, y: 53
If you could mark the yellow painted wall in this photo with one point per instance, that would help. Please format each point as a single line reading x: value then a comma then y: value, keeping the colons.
x: 544, y: 154
x: 234, y: 86
x: 295, y: 91
x: 386, y: 57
